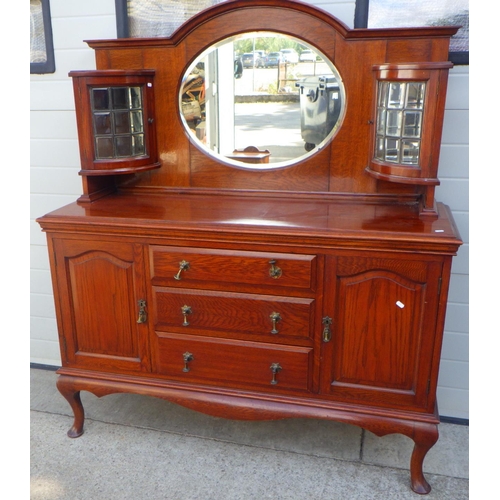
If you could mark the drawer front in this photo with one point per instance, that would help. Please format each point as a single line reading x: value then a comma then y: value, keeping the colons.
x: 191, y: 312
x: 237, y: 364
x: 181, y: 266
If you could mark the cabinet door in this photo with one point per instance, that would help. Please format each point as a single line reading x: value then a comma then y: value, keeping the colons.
x: 383, y: 332
x: 98, y: 288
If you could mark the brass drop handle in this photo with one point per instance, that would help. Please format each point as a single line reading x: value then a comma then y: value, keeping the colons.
x: 185, y: 311
x: 275, y: 317
x: 183, y: 266
x: 142, y: 311
x: 187, y: 356
x: 274, y: 271
x: 275, y: 369
x: 327, y: 331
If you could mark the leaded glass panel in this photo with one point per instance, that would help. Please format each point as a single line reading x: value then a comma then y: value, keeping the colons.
x: 118, y: 122
x: 399, y: 122
x: 396, y: 95
x: 412, y: 123
x: 411, y: 152
x: 415, y: 95
x: 393, y: 125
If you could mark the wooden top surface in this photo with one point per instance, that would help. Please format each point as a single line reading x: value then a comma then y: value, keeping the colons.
x: 258, y: 217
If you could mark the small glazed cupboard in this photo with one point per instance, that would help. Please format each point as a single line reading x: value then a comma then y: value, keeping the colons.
x: 309, y: 287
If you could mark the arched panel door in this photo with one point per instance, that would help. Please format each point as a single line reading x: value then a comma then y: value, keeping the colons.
x: 383, y: 330
x: 102, y: 285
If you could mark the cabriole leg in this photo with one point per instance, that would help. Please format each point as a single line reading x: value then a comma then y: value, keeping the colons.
x: 425, y: 436
x: 71, y: 395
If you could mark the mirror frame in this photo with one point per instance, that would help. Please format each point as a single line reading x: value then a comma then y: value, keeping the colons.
x: 257, y: 158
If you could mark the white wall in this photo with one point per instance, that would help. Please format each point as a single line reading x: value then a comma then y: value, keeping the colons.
x: 54, y: 149
x: 55, y: 181
x: 453, y: 385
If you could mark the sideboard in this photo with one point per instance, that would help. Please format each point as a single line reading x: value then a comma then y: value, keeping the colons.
x: 309, y: 287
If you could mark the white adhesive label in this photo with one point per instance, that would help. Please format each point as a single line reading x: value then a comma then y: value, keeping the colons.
x: 400, y: 304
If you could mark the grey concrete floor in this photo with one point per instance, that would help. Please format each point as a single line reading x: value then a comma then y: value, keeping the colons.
x: 138, y: 447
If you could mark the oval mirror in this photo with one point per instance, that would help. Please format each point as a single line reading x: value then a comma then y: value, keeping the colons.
x: 261, y: 100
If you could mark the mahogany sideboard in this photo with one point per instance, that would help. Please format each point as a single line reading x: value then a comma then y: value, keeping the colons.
x: 314, y: 287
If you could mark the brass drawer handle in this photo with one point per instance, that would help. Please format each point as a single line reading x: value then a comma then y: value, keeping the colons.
x: 187, y: 356
x: 142, y: 311
x: 185, y: 311
x: 275, y: 317
x: 183, y: 266
x: 327, y: 331
x: 274, y: 271
x: 275, y: 369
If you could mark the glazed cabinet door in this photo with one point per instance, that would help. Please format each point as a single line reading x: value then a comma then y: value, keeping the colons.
x: 380, y: 336
x: 101, y: 302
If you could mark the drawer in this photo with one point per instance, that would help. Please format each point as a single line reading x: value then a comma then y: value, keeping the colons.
x: 236, y: 364
x: 192, y: 311
x: 184, y: 266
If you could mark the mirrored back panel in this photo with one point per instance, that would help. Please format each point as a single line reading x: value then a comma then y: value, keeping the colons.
x: 279, y: 96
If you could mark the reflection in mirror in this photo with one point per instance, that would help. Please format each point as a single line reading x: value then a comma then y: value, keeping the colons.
x: 262, y: 98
